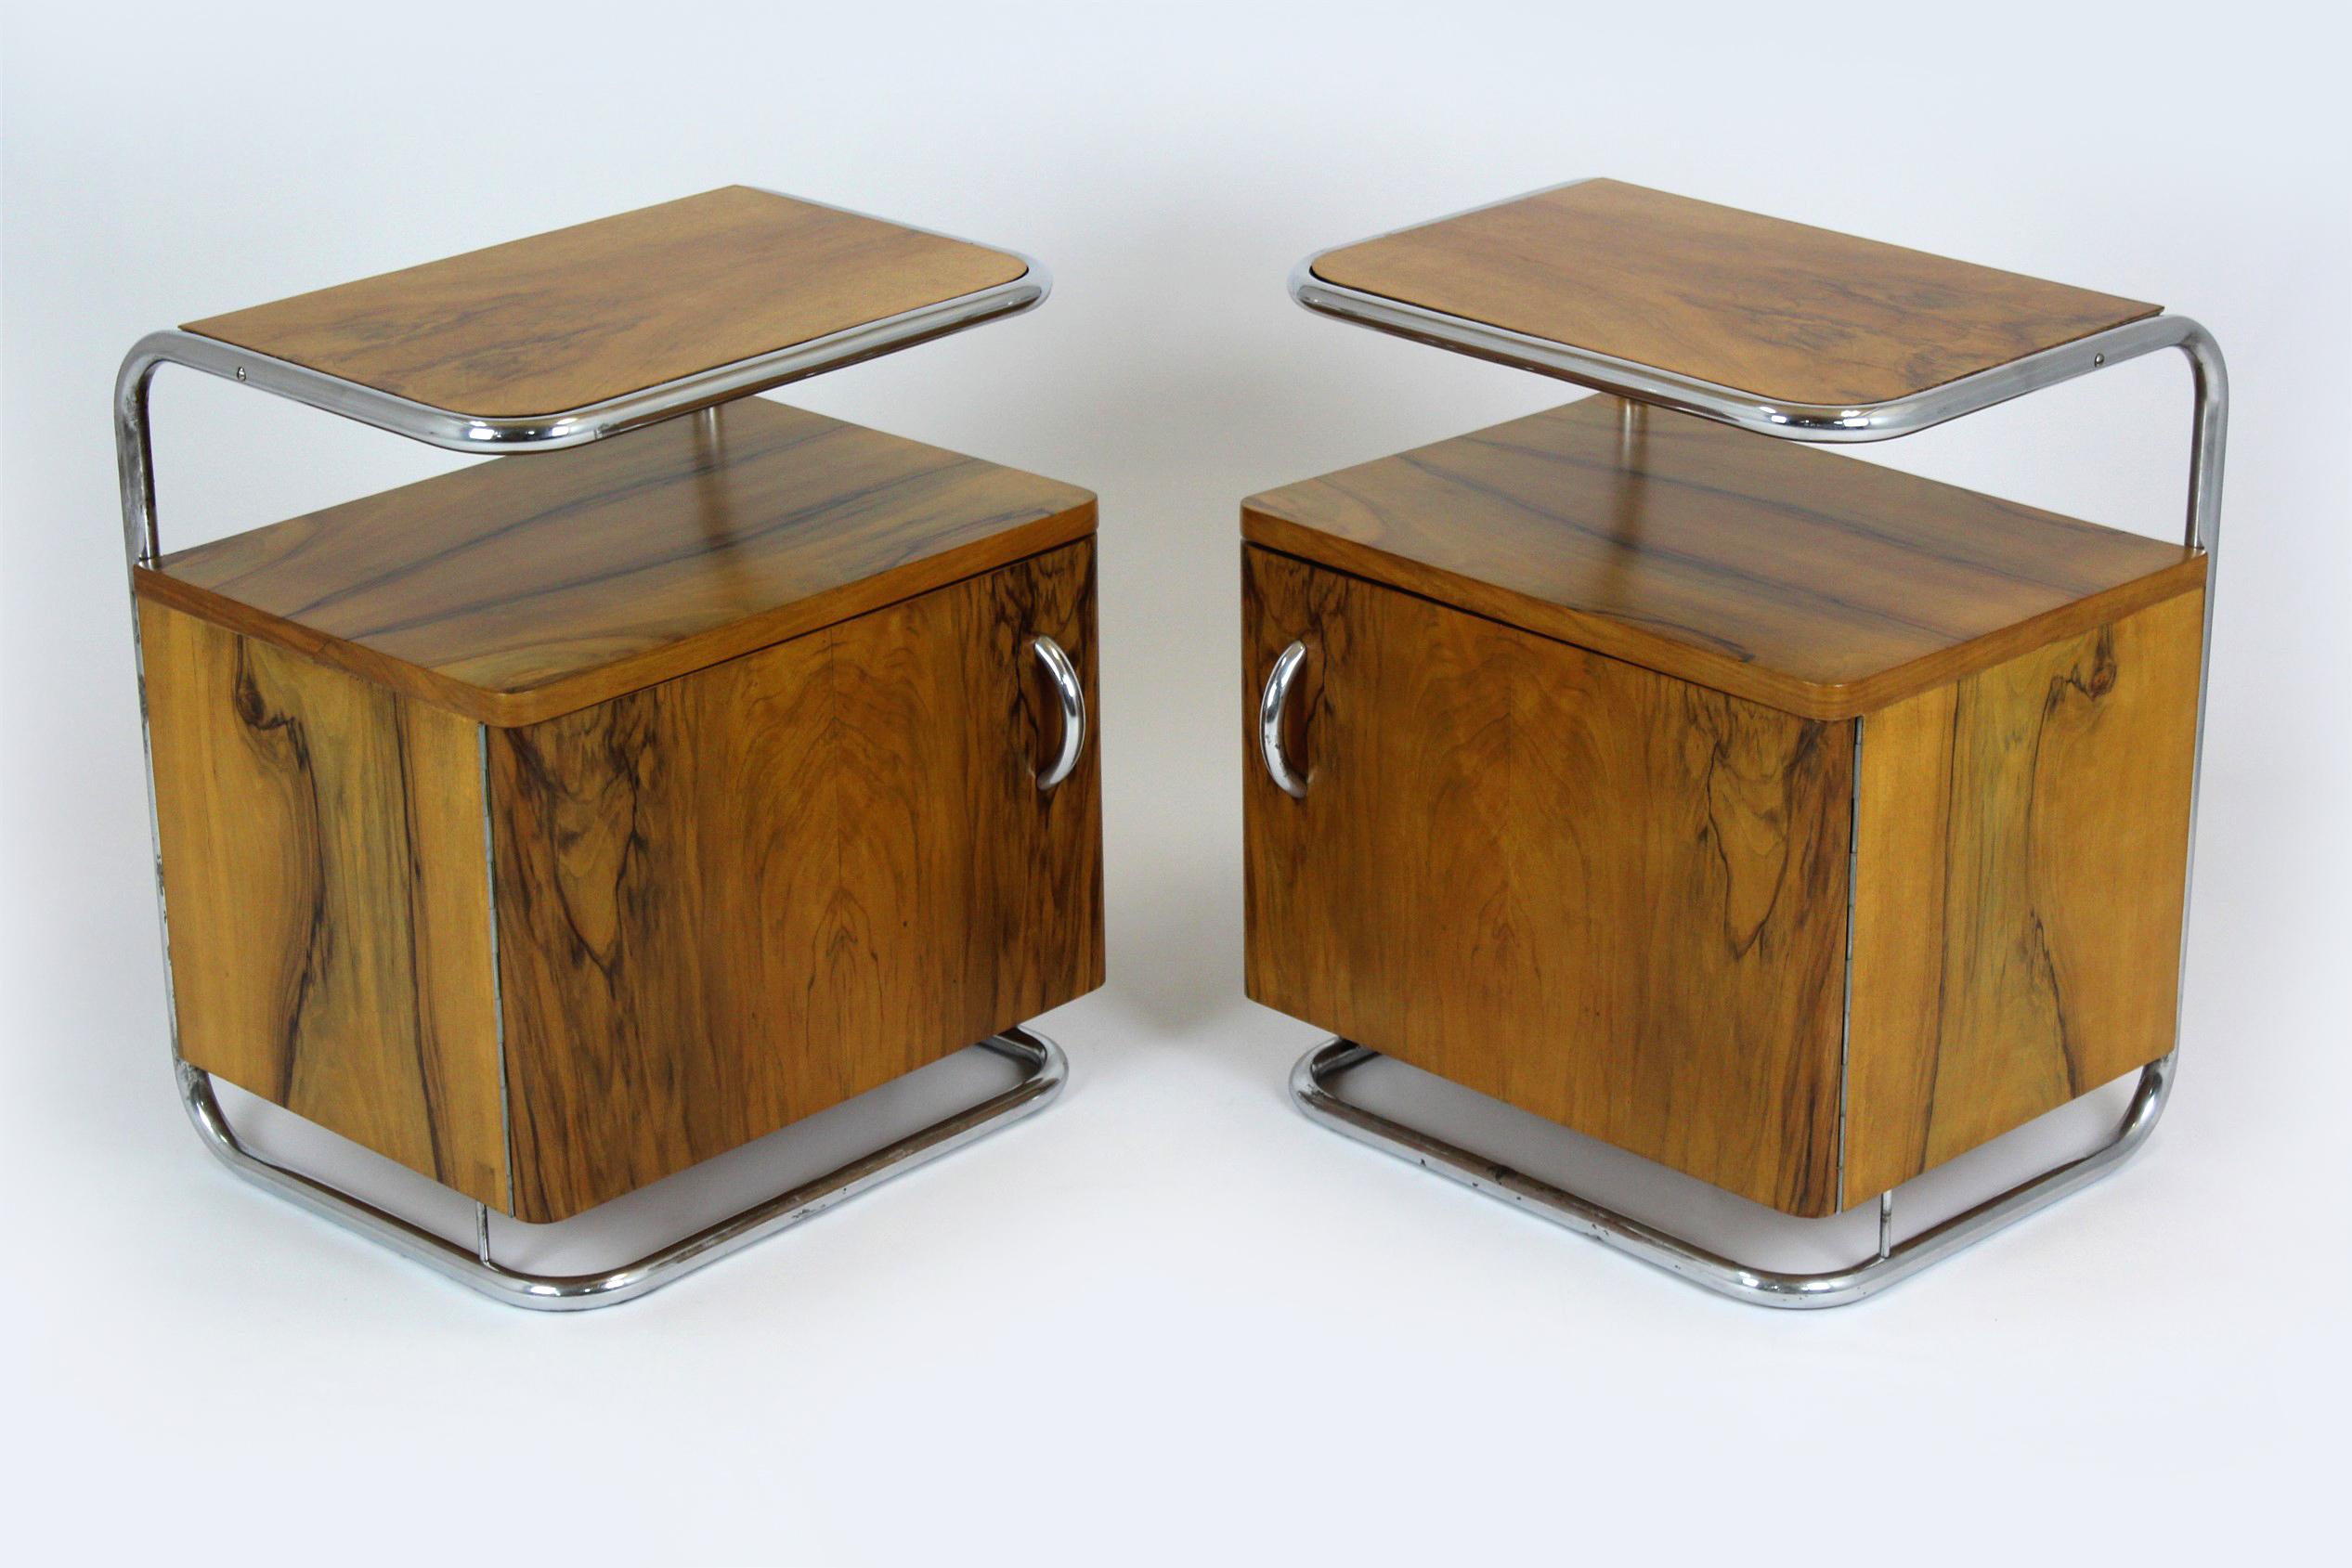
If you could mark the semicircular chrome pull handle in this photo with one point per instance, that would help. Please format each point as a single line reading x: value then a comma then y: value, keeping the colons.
x: 1270, y: 704
x: 1072, y: 697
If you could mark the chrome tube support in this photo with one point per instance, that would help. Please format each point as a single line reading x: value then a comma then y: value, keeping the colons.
x: 1045, y: 1070
x: 1643, y: 386
x: 1311, y: 1086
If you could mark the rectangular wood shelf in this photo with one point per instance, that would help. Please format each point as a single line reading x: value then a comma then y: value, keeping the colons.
x: 520, y: 589
x: 1814, y: 583
x: 1773, y: 309
x: 567, y: 319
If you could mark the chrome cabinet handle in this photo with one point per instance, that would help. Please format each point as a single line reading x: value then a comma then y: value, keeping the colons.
x: 1270, y: 704
x: 1072, y: 699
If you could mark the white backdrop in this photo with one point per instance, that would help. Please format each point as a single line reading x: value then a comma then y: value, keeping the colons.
x: 1170, y: 1320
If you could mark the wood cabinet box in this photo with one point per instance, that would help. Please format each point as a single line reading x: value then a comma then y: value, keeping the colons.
x: 556, y: 824
x: 1783, y: 818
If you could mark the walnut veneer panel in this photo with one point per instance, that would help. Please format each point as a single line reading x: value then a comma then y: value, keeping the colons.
x: 1606, y: 896
x: 729, y: 901
x: 324, y: 872
x: 1796, y: 577
x: 515, y: 590
x: 2019, y: 881
x: 1779, y: 309
x: 574, y: 316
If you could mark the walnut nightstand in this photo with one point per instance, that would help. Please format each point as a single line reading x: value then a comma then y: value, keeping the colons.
x: 556, y: 824
x: 1789, y: 821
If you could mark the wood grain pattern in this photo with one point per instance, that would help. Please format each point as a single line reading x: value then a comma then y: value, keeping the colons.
x: 2019, y: 880
x: 516, y: 591
x: 1610, y: 898
x: 1781, y: 310
x: 562, y: 319
x: 730, y: 900
x: 324, y: 874
x: 1810, y: 582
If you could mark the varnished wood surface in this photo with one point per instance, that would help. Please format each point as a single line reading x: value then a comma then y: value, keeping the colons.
x: 730, y: 900
x: 1779, y: 309
x: 516, y: 591
x: 567, y: 318
x: 2022, y: 844
x: 1610, y: 898
x: 1812, y: 582
x: 328, y: 898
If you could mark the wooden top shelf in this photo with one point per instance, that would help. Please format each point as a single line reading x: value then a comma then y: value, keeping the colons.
x: 1780, y: 311
x: 1817, y: 584
x: 565, y: 319
x: 522, y: 589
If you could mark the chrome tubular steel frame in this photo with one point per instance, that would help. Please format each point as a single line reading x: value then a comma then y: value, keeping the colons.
x: 1047, y: 1069
x: 1311, y: 1086
x: 1320, y: 1068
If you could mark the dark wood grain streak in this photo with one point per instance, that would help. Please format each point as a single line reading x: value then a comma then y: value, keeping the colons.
x: 1798, y: 579
x: 2020, y: 886
x: 1781, y: 310
x: 324, y: 876
x: 731, y: 899
x: 1606, y: 896
x: 520, y: 589
x: 567, y: 318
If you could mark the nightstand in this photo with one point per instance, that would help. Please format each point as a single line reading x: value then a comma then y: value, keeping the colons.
x: 1789, y: 821
x: 554, y: 825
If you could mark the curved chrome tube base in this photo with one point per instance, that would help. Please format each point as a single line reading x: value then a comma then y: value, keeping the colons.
x: 1311, y: 1083
x: 1048, y: 1070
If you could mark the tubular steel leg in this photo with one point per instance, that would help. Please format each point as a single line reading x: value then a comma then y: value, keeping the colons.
x: 1311, y: 1083
x: 475, y: 1268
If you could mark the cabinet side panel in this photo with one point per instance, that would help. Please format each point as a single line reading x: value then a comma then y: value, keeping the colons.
x: 2020, y: 878
x: 329, y: 904
x: 1600, y: 894
x: 732, y: 900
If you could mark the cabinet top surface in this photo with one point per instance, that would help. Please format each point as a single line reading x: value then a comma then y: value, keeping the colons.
x: 571, y: 318
x: 1814, y: 583
x: 527, y: 587
x: 1782, y: 311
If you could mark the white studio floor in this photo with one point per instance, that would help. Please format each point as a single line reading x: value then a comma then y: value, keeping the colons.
x: 1170, y: 1320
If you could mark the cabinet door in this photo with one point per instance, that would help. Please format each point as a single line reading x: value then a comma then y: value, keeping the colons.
x: 1600, y: 894
x: 730, y: 900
